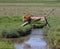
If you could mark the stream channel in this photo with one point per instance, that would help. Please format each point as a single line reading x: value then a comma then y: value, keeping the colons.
x: 36, y: 41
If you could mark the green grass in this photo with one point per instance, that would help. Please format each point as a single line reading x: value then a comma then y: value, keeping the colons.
x: 53, y: 34
x: 29, y: 1
x: 11, y: 26
x: 30, y: 5
x: 6, y: 45
x: 11, y: 23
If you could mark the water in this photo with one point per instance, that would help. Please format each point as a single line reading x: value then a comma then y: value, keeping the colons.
x: 35, y: 41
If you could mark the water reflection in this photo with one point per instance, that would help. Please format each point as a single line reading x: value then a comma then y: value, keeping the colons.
x: 36, y: 32
x: 18, y: 46
x: 35, y: 41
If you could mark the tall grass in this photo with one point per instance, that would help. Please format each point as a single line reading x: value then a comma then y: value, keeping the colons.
x: 6, y: 45
x: 11, y: 27
x: 28, y: 1
x: 53, y: 34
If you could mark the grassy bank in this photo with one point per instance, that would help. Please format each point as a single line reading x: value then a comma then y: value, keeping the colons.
x: 53, y: 34
x: 10, y: 30
x: 9, y: 43
x: 11, y: 27
x: 6, y: 45
x: 11, y: 24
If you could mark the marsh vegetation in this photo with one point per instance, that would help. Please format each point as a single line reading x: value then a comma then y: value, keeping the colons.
x: 11, y: 19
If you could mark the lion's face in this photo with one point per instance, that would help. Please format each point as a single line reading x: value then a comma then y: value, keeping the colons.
x: 26, y: 18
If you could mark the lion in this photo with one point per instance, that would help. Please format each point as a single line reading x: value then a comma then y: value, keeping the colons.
x: 27, y: 19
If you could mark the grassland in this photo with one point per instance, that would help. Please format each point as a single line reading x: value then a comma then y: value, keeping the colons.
x: 6, y: 45
x: 9, y: 26
x: 53, y: 34
x: 14, y: 12
x: 12, y: 26
x: 29, y: 1
x: 22, y: 9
